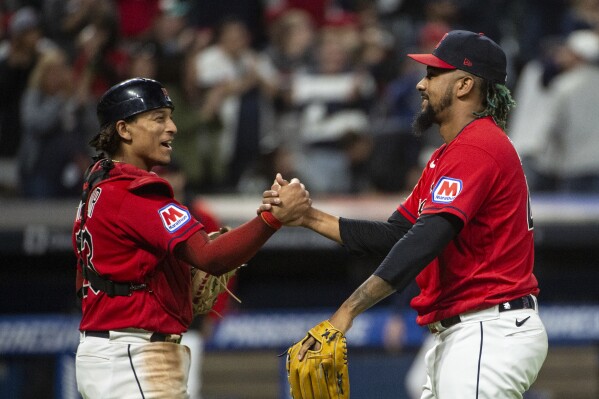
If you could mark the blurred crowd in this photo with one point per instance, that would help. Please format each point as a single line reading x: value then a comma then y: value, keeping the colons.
x: 318, y: 89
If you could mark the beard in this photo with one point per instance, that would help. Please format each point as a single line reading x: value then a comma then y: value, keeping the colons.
x: 429, y: 115
x: 423, y: 121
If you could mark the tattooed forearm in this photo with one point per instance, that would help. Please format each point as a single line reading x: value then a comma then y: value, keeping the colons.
x: 368, y: 294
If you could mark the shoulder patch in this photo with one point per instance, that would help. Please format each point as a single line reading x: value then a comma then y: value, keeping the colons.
x: 446, y: 190
x: 173, y: 217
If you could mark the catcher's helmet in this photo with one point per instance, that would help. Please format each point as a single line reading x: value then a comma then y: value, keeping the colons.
x: 132, y: 97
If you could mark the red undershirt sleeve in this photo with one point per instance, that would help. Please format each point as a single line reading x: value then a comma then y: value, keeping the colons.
x: 226, y: 252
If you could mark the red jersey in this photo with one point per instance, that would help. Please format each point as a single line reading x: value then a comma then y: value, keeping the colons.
x: 132, y: 227
x: 477, y: 177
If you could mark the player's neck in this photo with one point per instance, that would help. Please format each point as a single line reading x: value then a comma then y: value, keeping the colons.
x: 450, y: 129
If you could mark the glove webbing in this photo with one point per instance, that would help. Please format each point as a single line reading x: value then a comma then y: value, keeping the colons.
x: 222, y: 281
x: 209, y: 283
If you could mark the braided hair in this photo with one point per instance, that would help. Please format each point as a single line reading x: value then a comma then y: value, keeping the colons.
x: 107, y: 141
x: 498, y: 102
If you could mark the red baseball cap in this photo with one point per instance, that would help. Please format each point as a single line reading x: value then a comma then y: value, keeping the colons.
x: 472, y: 52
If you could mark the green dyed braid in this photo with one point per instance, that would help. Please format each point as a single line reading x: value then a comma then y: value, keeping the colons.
x: 498, y: 103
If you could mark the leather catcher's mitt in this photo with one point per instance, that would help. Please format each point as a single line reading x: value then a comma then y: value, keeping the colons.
x: 206, y: 287
x: 323, y: 373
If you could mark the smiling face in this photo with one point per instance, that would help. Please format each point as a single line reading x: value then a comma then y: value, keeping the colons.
x: 146, y: 140
x: 436, y: 90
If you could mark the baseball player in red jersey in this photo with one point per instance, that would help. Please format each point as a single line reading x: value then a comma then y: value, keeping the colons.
x: 136, y: 245
x: 465, y: 233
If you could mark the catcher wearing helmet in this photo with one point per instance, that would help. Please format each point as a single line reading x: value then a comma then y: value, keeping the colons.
x: 137, y: 246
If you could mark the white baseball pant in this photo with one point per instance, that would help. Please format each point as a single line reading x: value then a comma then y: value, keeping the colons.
x: 489, y: 354
x: 127, y: 365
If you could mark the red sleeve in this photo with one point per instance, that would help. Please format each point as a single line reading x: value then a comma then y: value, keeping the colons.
x: 466, y: 177
x: 227, y: 251
x: 157, y: 220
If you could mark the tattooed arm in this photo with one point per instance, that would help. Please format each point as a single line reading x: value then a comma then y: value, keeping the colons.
x: 373, y: 290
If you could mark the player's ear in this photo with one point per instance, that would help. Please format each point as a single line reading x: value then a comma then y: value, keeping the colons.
x: 465, y: 85
x: 122, y: 130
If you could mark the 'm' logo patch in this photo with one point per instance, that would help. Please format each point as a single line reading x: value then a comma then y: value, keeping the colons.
x: 173, y: 217
x: 446, y: 190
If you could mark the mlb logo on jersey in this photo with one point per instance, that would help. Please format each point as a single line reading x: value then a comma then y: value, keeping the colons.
x: 174, y: 216
x: 446, y: 190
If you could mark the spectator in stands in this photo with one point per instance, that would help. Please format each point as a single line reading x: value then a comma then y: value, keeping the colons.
x: 207, y: 15
x: 99, y: 35
x: 172, y: 38
x: 564, y: 135
x: 532, y: 94
x: 238, y: 85
x: 136, y: 18
x: 64, y: 20
x: 398, y: 154
x: 378, y: 52
x: 100, y: 62
x: 333, y: 98
x: 376, y: 55
x: 55, y: 16
x: 292, y: 34
x: 579, y: 15
x: 57, y: 120
x: 18, y: 56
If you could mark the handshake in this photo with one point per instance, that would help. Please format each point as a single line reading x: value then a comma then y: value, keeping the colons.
x: 288, y: 201
x: 316, y: 365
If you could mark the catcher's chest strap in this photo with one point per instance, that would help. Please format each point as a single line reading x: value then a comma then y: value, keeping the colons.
x: 95, y: 174
x: 110, y: 287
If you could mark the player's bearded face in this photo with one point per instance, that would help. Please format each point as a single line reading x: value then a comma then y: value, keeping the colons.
x: 428, y: 116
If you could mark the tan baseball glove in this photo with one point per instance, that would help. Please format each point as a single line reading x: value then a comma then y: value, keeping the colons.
x: 322, y: 373
x: 206, y: 287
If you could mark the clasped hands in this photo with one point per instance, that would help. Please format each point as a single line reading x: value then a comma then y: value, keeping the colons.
x: 288, y: 201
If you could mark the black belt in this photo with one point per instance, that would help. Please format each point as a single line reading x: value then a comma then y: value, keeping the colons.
x: 525, y: 302
x: 155, y: 337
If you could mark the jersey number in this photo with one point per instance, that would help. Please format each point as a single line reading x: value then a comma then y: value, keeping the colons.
x: 85, y: 241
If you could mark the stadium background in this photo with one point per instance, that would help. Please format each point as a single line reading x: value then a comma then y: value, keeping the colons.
x: 298, y: 278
